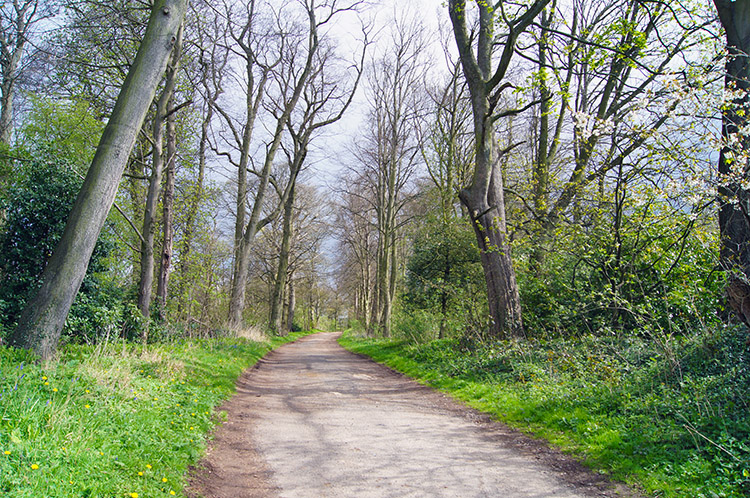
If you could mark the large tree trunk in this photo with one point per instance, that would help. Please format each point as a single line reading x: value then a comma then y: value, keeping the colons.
x: 44, y: 316
x: 486, y: 207
x: 7, y: 91
x: 484, y: 199
x: 734, y: 210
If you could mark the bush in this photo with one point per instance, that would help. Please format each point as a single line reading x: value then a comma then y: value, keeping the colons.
x: 36, y: 205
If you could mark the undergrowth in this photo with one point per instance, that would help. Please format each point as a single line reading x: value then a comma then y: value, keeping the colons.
x: 668, y: 416
x: 119, y: 420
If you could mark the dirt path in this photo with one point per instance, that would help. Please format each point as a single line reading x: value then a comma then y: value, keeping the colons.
x: 313, y: 420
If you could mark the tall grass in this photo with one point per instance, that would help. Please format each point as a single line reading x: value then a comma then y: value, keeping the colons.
x: 673, y: 419
x: 120, y: 420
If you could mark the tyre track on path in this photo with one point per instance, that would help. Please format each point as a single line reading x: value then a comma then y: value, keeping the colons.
x: 314, y: 420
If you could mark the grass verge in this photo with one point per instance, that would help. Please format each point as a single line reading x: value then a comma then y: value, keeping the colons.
x: 673, y: 421
x: 120, y: 420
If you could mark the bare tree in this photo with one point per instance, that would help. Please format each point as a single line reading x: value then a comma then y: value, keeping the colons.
x: 389, y: 153
x: 323, y: 103
x: 18, y: 19
x: 291, y: 77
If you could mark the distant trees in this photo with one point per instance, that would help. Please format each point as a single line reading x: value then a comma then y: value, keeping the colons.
x: 19, y: 20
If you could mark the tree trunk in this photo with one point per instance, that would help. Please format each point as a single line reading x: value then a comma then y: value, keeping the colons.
x: 290, y: 306
x: 146, y: 280
x: 734, y: 208
x: 10, y: 60
x: 167, y: 217
x: 488, y: 219
x: 43, y: 318
x: 540, y: 175
x: 484, y: 198
x: 277, y: 296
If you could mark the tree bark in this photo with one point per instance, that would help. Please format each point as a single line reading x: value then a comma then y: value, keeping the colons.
x: 292, y: 302
x: 484, y: 198
x: 43, y: 318
x: 734, y: 208
x: 277, y: 297
x: 165, y: 265
x: 148, y: 231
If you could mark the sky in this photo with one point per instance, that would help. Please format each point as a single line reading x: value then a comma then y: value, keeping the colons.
x: 327, y: 162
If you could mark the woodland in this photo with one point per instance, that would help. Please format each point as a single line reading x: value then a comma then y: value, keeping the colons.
x: 548, y: 195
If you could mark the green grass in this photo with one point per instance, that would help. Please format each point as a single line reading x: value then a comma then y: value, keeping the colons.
x: 672, y: 421
x: 114, y: 421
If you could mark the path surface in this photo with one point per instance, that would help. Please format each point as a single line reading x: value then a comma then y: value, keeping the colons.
x: 313, y: 420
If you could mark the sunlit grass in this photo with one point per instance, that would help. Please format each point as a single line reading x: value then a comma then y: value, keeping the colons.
x: 116, y: 421
x: 675, y: 426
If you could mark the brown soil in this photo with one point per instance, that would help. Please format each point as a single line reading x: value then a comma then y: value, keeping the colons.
x: 312, y: 419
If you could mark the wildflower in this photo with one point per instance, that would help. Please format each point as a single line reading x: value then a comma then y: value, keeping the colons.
x: 148, y: 465
x: 7, y: 452
x: 140, y: 473
x: 163, y: 479
x: 172, y: 493
x: 46, y: 383
x: 54, y: 389
x: 133, y: 495
x: 88, y: 406
x: 44, y: 377
x: 34, y: 466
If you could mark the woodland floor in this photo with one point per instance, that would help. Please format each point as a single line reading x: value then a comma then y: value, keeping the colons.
x: 313, y: 420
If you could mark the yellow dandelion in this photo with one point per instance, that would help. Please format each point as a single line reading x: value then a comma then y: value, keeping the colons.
x: 54, y: 389
x: 87, y: 391
x: 101, y: 453
x: 34, y: 466
x: 44, y: 377
x: 140, y: 473
x: 46, y: 383
x: 163, y: 479
x: 191, y: 429
x: 148, y: 465
x: 7, y: 452
x: 172, y: 493
x: 133, y: 495
x: 88, y: 406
